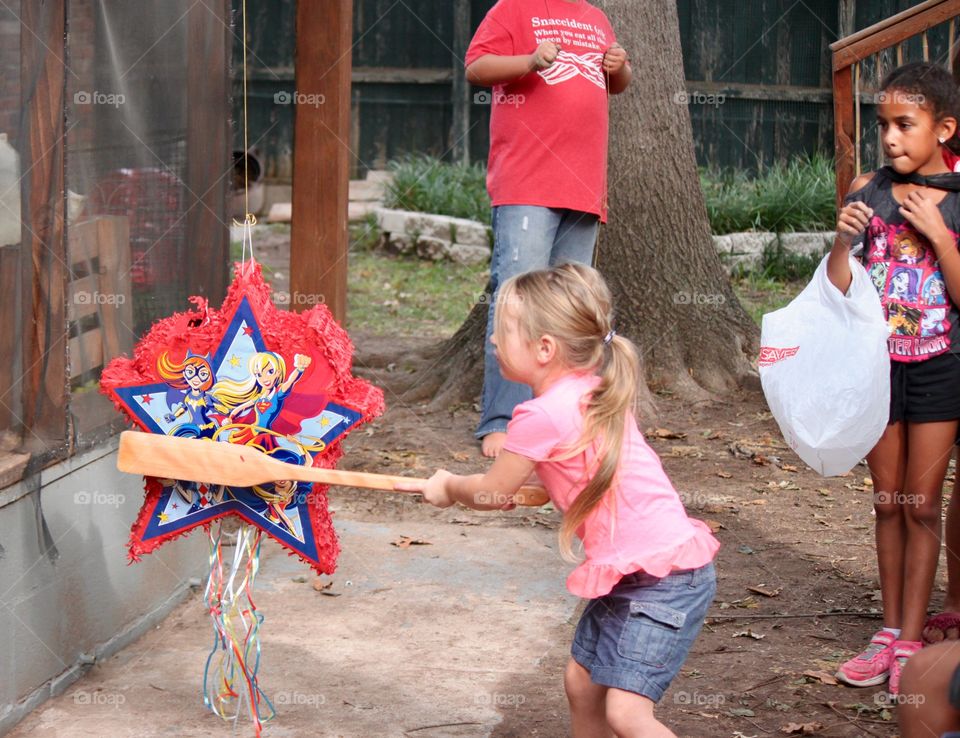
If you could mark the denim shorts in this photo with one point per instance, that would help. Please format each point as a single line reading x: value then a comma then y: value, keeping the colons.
x: 637, y: 637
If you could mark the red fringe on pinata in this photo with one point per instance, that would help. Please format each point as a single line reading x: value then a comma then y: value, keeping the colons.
x: 200, y: 331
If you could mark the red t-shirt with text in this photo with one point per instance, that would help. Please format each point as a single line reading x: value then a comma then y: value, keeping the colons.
x: 548, y: 130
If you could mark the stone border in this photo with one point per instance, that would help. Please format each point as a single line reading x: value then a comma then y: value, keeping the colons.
x: 744, y: 251
x: 434, y: 237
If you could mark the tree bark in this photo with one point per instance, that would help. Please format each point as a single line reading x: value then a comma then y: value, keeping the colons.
x: 672, y: 295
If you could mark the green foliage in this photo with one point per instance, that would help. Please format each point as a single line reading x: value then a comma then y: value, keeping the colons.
x: 799, y: 196
x: 427, y: 185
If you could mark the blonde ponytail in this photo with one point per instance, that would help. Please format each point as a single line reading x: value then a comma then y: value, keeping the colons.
x: 572, y: 303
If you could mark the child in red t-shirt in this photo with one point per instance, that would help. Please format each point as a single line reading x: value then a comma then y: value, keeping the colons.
x: 552, y: 65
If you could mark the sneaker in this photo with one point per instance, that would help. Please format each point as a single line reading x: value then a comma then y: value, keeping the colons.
x: 902, y: 650
x: 871, y: 667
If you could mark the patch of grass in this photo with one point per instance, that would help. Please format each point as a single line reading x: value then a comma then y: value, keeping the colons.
x: 365, y: 234
x: 427, y: 185
x: 761, y: 294
x: 798, y: 196
x: 391, y: 295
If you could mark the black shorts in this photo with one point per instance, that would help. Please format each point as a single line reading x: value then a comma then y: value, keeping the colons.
x: 925, y: 391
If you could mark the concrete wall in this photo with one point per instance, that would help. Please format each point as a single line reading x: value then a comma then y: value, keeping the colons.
x: 59, y: 613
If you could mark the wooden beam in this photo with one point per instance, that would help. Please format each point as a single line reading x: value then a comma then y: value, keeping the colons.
x: 44, y: 277
x: 844, y: 134
x: 209, y: 150
x: 321, y: 169
x: 892, y: 31
x: 364, y: 75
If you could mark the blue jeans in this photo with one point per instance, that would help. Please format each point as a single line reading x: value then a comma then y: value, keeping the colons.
x: 526, y: 238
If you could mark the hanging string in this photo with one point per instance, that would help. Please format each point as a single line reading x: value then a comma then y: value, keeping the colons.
x: 249, y: 219
x: 230, y: 676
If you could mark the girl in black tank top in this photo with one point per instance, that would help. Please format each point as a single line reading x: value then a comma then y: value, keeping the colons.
x: 904, y: 222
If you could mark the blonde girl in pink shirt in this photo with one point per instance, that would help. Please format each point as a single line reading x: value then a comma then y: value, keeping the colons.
x: 646, y: 567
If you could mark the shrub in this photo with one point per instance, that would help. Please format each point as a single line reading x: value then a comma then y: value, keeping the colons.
x: 427, y: 185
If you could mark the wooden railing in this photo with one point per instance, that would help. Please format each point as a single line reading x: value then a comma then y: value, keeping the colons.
x: 880, y: 48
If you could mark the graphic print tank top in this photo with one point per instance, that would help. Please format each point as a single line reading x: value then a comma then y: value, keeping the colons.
x: 902, y: 265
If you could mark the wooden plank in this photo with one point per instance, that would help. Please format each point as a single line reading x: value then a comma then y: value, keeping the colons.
x: 42, y: 85
x: 209, y: 150
x: 82, y: 241
x: 321, y: 171
x: 745, y: 91
x: 10, y: 339
x: 365, y: 75
x: 892, y: 31
x: 83, y: 295
x: 460, y: 90
x: 86, y: 352
x: 116, y: 314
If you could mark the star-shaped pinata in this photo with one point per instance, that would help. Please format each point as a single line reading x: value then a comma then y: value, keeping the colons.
x: 251, y: 374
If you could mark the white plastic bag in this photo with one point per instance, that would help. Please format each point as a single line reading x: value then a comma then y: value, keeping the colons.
x: 825, y: 371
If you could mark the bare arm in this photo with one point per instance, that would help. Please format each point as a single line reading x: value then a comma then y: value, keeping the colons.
x: 489, y: 491
x: 851, y: 222
x: 617, y: 68
x: 491, y: 69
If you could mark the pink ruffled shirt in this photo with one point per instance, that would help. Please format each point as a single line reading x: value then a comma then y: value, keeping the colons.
x: 642, y: 526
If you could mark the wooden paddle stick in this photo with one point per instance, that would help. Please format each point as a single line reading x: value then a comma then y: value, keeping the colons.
x: 233, y: 465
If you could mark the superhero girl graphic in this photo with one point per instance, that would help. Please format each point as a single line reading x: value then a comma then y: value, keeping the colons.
x: 262, y: 394
x: 193, y: 377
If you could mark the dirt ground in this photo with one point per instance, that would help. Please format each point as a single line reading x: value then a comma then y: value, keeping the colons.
x: 468, y: 635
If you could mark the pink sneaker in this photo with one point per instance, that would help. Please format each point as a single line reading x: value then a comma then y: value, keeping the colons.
x: 871, y: 667
x: 902, y: 650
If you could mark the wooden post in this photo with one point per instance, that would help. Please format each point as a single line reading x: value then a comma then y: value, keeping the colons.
x: 209, y: 150
x: 844, y: 134
x: 460, y: 90
x: 44, y: 278
x: 319, y: 237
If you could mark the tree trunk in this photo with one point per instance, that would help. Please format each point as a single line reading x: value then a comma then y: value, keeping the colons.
x: 672, y: 295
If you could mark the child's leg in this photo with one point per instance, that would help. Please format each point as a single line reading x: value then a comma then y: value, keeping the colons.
x: 930, y: 446
x: 924, y: 708
x: 952, y: 540
x: 887, y: 463
x: 588, y: 716
x: 631, y: 716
